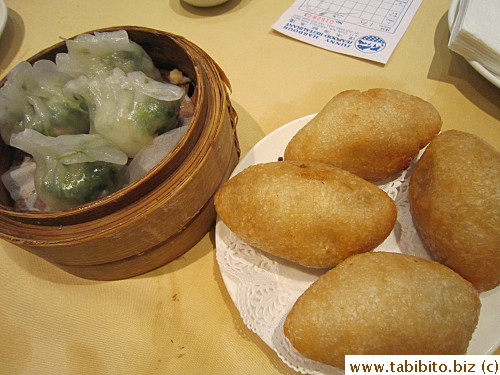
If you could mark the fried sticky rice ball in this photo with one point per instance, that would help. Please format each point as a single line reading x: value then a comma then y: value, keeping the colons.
x: 454, y: 196
x: 373, y: 133
x: 383, y: 304
x: 310, y: 213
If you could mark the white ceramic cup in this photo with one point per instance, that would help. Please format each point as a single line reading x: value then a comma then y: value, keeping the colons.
x: 205, y: 3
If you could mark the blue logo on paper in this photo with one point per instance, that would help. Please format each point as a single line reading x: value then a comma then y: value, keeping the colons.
x: 370, y: 44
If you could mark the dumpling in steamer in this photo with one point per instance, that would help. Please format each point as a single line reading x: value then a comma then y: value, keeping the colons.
x: 130, y: 109
x: 310, y: 213
x: 38, y: 97
x: 100, y: 53
x: 373, y: 134
x: 72, y: 169
x: 384, y: 304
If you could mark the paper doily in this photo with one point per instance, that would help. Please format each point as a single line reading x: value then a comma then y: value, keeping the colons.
x: 264, y: 287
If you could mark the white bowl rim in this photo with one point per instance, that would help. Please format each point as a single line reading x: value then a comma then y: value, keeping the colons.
x: 3, y: 16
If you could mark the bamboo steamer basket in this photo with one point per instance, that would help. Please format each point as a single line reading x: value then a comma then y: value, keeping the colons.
x: 159, y: 217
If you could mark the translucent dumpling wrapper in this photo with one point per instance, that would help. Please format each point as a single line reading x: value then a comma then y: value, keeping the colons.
x: 150, y: 156
x: 130, y: 109
x: 37, y: 97
x: 19, y: 180
x: 100, y: 53
x: 72, y: 170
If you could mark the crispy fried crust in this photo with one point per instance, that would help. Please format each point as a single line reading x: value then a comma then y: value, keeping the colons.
x: 307, y: 212
x: 455, y: 202
x: 383, y: 304
x: 372, y: 134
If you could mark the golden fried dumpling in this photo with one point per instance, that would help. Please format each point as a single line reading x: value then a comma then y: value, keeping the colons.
x: 310, y: 213
x: 454, y: 196
x: 383, y: 304
x: 373, y: 133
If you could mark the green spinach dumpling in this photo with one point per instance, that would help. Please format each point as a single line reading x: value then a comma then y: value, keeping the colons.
x: 130, y: 109
x: 37, y: 97
x: 100, y: 53
x: 72, y: 170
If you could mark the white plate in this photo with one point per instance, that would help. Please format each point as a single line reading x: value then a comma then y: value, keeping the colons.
x: 264, y: 287
x: 478, y: 67
x: 3, y: 16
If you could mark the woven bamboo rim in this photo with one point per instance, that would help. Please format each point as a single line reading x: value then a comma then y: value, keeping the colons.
x: 193, y: 65
x: 99, y: 240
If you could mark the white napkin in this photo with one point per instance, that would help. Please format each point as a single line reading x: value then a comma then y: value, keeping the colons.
x: 475, y: 33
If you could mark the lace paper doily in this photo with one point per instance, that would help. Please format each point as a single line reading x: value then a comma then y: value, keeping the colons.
x: 264, y: 287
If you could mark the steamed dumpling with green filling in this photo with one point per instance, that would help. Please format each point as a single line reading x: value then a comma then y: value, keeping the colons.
x: 131, y: 109
x: 99, y: 53
x: 72, y: 170
x: 37, y: 97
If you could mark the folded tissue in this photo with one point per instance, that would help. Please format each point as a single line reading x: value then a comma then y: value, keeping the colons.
x: 475, y: 33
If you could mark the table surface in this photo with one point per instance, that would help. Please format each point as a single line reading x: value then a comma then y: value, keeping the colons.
x: 179, y: 319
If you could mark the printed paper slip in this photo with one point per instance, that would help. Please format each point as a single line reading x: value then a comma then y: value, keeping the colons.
x: 369, y: 29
